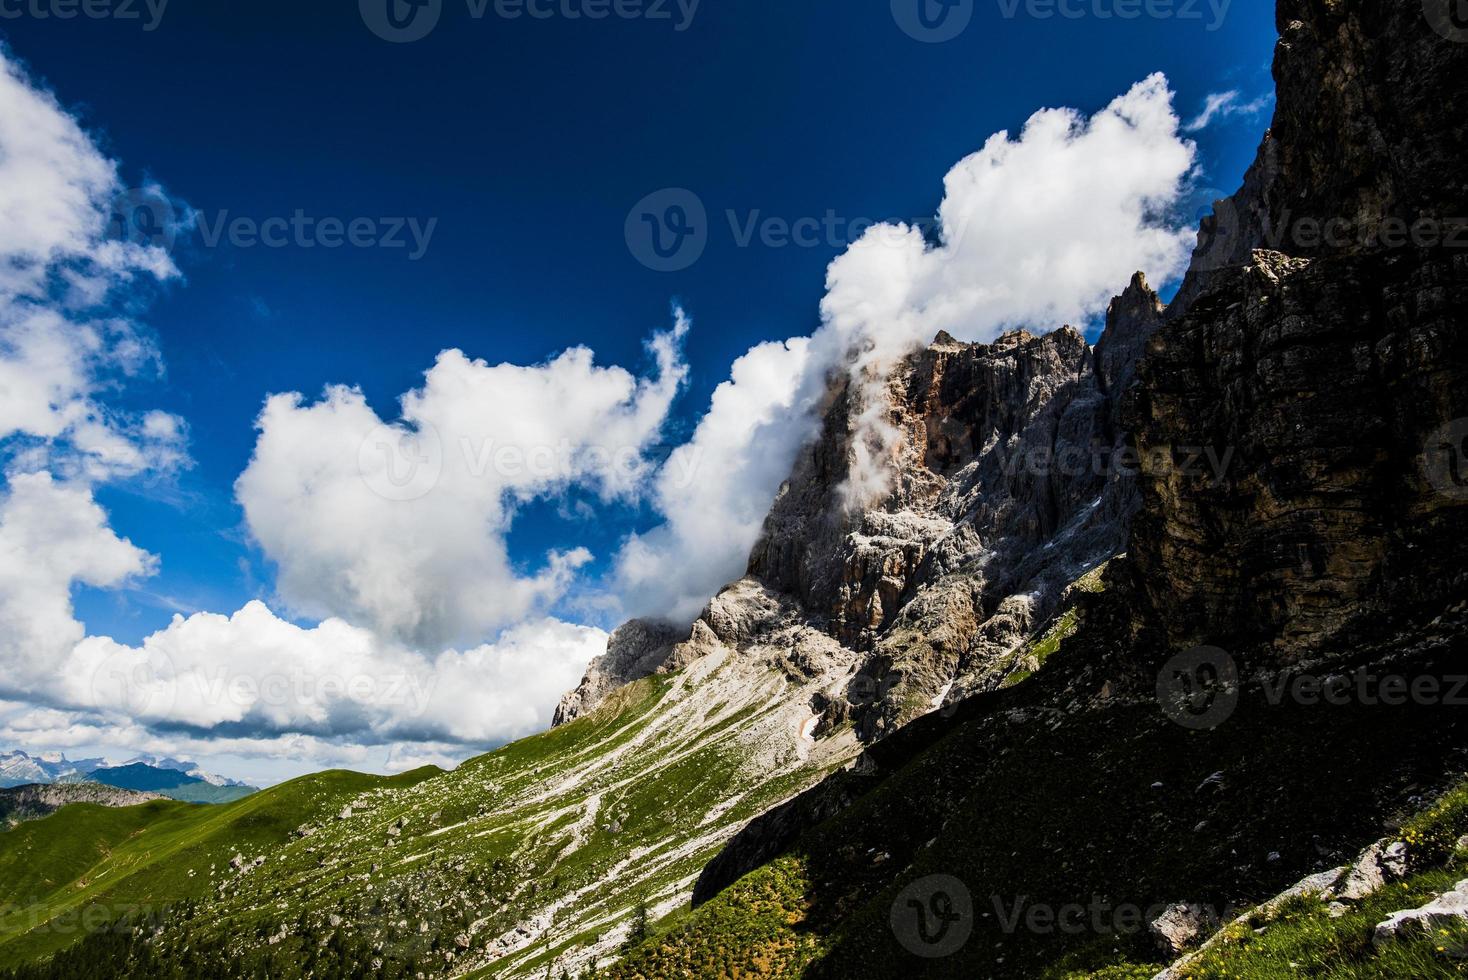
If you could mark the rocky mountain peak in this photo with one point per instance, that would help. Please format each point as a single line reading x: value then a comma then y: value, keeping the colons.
x: 1131, y: 320
x: 1001, y: 491
x: 637, y: 649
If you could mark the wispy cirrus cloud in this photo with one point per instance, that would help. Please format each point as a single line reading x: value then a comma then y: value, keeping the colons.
x: 1224, y: 105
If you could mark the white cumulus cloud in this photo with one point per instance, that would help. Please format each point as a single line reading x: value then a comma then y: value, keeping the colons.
x: 401, y: 527
x: 389, y: 533
x: 52, y: 536
x: 59, y: 344
x: 408, y: 587
x: 255, y: 676
x: 715, y: 490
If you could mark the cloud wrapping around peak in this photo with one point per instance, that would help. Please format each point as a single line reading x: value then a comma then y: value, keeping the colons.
x: 390, y: 533
x: 1035, y: 231
x: 715, y: 490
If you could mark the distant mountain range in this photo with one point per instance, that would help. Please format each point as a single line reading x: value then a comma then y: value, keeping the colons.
x: 20, y: 769
x: 172, y: 778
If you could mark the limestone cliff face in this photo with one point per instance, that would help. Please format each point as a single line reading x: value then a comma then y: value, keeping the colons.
x: 1320, y: 345
x: 1005, y: 489
x: 1006, y: 485
x: 1298, y: 415
x: 1300, y: 410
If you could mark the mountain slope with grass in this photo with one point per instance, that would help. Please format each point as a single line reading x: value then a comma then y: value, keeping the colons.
x: 1104, y: 814
x: 86, y: 866
x: 996, y: 717
x: 1072, y: 795
x: 501, y: 864
x: 555, y: 851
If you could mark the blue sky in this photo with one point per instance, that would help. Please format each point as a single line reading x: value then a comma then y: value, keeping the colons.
x: 525, y: 142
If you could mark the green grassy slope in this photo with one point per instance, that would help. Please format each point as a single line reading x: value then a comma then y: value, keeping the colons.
x: 499, y: 868
x: 1070, y: 789
x: 85, y: 866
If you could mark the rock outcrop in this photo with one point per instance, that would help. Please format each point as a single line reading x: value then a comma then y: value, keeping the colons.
x: 1006, y: 488
x: 22, y: 803
x: 1449, y: 910
x: 636, y: 650
x: 1008, y: 481
x: 1294, y: 409
x: 1180, y: 926
x: 1319, y: 348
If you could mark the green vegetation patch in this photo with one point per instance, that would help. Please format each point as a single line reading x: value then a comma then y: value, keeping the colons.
x: 752, y: 929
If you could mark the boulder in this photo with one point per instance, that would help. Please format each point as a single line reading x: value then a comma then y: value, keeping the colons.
x: 1384, y: 861
x: 1179, y: 926
x: 1445, y: 910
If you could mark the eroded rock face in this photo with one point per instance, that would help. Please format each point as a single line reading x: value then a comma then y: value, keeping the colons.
x: 1131, y: 320
x: 1006, y: 486
x: 1180, y: 926
x: 1320, y: 346
x: 972, y: 418
x: 636, y: 650
x: 1301, y: 476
